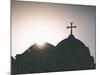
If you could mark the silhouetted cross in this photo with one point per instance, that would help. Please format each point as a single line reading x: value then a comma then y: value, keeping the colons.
x: 71, y: 27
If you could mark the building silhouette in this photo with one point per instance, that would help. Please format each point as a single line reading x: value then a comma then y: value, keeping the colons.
x: 69, y: 54
x: 74, y: 53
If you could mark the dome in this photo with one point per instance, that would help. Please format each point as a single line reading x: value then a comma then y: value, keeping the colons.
x: 72, y: 47
x: 45, y: 46
x: 38, y: 51
x: 71, y: 43
x: 73, y: 52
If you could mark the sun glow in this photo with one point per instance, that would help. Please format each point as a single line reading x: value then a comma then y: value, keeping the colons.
x: 40, y: 44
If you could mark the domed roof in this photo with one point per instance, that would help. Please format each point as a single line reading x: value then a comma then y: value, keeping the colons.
x: 37, y: 49
x: 73, y: 51
x: 70, y: 43
x: 44, y: 46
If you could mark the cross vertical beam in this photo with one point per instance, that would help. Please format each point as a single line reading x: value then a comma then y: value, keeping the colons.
x: 71, y: 26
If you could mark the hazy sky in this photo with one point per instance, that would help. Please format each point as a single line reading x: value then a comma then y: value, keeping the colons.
x: 46, y: 22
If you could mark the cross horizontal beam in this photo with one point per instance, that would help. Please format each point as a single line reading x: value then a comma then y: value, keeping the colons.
x: 71, y: 27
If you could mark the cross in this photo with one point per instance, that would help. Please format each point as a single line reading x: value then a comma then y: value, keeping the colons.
x: 71, y: 27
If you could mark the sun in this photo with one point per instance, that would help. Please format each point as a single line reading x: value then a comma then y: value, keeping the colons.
x: 40, y: 44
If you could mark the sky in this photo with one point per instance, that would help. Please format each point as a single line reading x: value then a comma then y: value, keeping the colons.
x: 36, y: 22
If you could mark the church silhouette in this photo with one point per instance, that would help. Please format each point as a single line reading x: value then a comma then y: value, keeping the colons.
x: 69, y: 54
